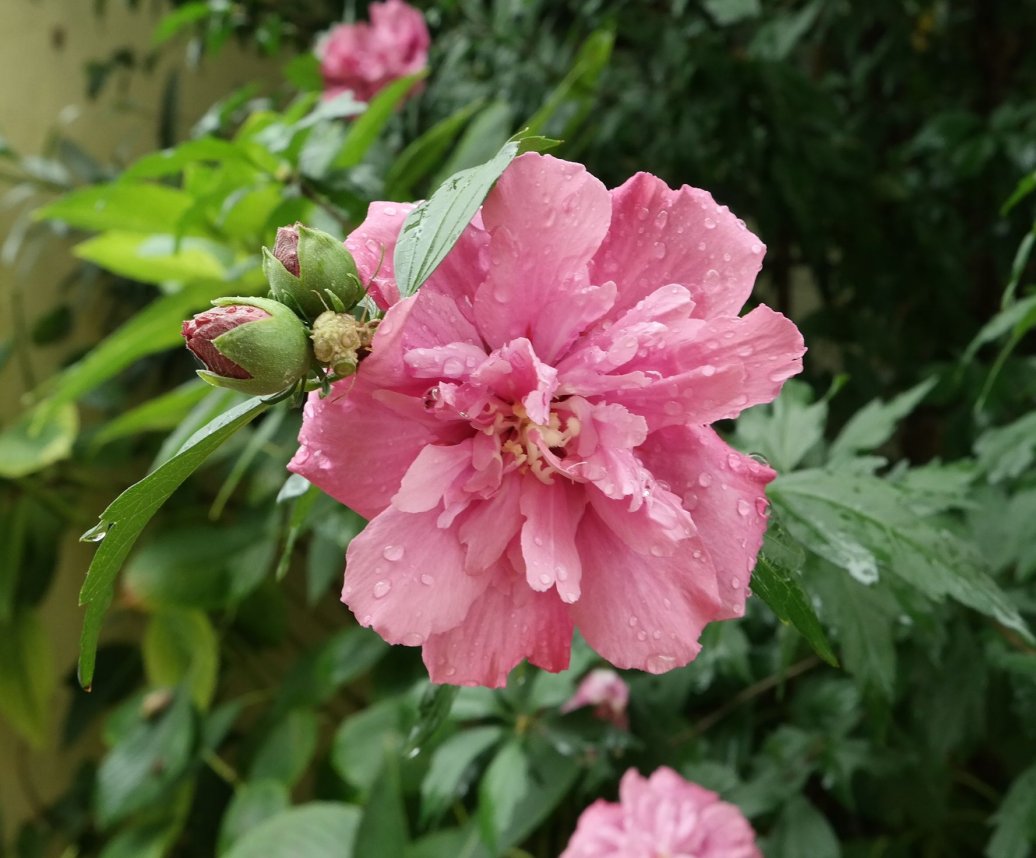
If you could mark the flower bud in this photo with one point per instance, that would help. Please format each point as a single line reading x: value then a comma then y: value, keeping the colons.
x: 253, y: 345
x: 338, y: 339
x: 607, y: 692
x: 311, y: 271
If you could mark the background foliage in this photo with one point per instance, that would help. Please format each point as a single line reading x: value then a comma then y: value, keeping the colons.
x: 879, y: 698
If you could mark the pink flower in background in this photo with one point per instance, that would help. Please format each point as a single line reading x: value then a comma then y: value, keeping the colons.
x: 606, y: 691
x: 662, y: 815
x: 530, y: 433
x: 363, y: 58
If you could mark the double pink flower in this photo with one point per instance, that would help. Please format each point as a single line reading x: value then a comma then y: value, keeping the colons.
x: 530, y: 435
x: 363, y: 57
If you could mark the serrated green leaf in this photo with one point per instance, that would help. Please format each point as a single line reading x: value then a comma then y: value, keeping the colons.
x: 445, y: 779
x: 37, y: 439
x: 180, y: 647
x: 779, y: 587
x: 320, y: 829
x: 785, y: 431
x: 364, y: 131
x: 27, y: 676
x: 253, y: 803
x: 121, y: 523
x: 137, y: 207
x: 865, y: 524
x: 430, y: 230
x: 873, y: 425
x: 1007, y: 451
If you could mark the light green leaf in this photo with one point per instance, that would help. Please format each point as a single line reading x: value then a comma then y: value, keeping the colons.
x: 785, y: 431
x: 180, y: 646
x: 383, y: 830
x: 873, y: 425
x: 445, y: 780
x: 573, y: 96
x: 1007, y: 451
x: 157, y: 258
x: 126, y: 516
x: 320, y: 829
x: 865, y: 524
x: 364, y: 130
x: 802, y: 830
x: 181, y: 18
x: 287, y: 749
x: 154, y: 329
x: 203, y: 149
x: 253, y: 803
x: 27, y: 676
x: 430, y: 230
x: 359, y: 746
x: 1014, y: 835
x: 163, y: 412
x: 136, y: 207
x: 36, y: 439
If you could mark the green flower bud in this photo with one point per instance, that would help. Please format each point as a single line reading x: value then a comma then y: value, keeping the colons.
x: 311, y: 271
x: 253, y: 345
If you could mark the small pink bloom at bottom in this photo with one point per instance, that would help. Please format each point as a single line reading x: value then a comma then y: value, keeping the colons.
x: 607, y: 692
x: 663, y: 815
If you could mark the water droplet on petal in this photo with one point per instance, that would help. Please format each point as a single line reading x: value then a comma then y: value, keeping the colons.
x: 672, y: 407
x: 393, y: 552
x: 735, y: 583
x: 661, y: 218
x: 302, y: 456
x: 545, y: 579
x: 711, y: 276
x: 381, y: 589
x: 708, y: 370
x: 632, y: 620
x: 659, y: 249
x: 696, y: 554
x: 710, y: 223
x: 690, y: 501
x: 761, y: 506
x: 538, y: 540
x: 413, y: 639
x: 642, y: 635
x: 452, y: 367
x: 704, y: 479
x: 658, y: 551
x: 743, y: 507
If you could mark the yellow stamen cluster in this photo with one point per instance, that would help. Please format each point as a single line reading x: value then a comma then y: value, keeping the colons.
x: 523, y: 445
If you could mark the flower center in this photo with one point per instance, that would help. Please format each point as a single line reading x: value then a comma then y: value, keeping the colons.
x: 533, y: 446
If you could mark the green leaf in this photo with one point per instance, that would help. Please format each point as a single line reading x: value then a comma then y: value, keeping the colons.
x: 1014, y: 834
x: 253, y: 803
x: 873, y: 425
x: 802, y: 830
x: 573, y: 96
x: 163, y: 412
x: 449, y: 843
x: 383, y: 829
x: 520, y: 788
x: 430, y: 230
x: 863, y: 524
x: 445, y: 780
x: 287, y: 749
x: 1007, y: 451
x: 203, y: 149
x: 486, y: 133
x: 727, y: 12
x: 181, y: 18
x: 366, y: 128
x: 123, y: 520
x: 785, y: 431
x: 37, y: 439
x: 779, y: 587
x: 303, y: 72
x: 129, y: 206
x: 418, y: 159
x: 157, y: 258
x: 358, y: 752
x: 432, y: 712
x: 146, y: 762
x: 27, y: 676
x: 180, y: 647
x: 147, y: 841
x: 320, y: 829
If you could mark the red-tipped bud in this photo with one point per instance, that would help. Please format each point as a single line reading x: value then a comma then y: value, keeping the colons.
x: 286, y: 248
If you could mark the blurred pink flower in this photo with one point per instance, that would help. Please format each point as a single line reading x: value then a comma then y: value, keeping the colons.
x: 529, y: 435
x: 606, y: 691
x: 662, y: 815
x: 364, y: 57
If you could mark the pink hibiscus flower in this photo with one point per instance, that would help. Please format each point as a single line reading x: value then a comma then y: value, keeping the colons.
x: 607, y: 692
x: 530, y: 434
x: 662, y: 815
x: 363, y: 58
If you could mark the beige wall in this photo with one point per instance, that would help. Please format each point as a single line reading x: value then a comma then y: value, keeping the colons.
x: 44, y: 45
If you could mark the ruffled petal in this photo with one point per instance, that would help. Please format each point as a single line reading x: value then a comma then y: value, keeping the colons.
x: 508, y: 623
x: 431, y: 475
x: 724, y: 491
x: 660, y: 236
x: 552, y: 514
x: 404, y: 577
x: 546, y: 219
x: 489, y: 526
x: 640, y: 611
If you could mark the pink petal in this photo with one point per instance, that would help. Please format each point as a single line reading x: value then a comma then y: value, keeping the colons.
x: 404, y: 577
x: 660, y: 236
x: 641, y: 611
x: 724, y: 490
x: 514, y: 373
x: 552, y: 514
x: 489, y: 526
x: 431, y: 475
x: 545, y: 218
x: 508, y: 623
x: 343, y: 448
x: 722, y: 368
